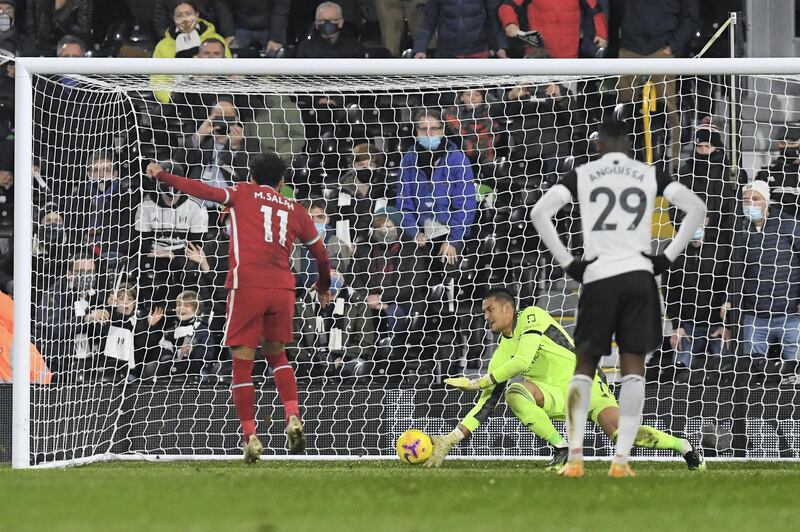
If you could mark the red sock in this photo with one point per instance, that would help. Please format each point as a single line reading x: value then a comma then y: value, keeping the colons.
x: 285, y: 382
x: 244, y: 395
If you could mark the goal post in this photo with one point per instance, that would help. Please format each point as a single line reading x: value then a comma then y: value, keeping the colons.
x: 188, y: 419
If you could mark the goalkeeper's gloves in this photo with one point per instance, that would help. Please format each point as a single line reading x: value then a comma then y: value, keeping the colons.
x: 661, y: 263
x: 577, y: 267
x: 470, y: 385
x: 442, y: 446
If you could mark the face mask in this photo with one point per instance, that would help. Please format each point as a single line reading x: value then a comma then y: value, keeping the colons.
x: 6, y: 22
x: 364, y: 175
x: 698, y: 235
x: 384, y: 235
x: 790, y: 154
x: 186, y: 23
x: 83, y: 282
x: 53, y: 233
x: 429, y: 143
x: 328, y: 28
x: 321, y: 230
x: 753, y: 213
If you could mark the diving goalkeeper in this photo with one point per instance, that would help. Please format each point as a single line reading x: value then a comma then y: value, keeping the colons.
x: 536, y: 347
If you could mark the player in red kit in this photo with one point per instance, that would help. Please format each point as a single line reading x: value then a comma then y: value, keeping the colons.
x: 264, y: 227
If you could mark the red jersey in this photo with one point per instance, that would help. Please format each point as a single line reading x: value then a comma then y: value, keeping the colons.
x: 264, y: 227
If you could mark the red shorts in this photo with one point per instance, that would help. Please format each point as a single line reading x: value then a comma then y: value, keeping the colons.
x: 256, y: 313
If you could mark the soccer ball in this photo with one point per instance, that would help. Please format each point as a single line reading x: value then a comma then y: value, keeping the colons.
x: 414, y: 447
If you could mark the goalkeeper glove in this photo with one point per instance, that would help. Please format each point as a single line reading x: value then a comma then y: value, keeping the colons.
x: 577, y: 267
x: 442, y: 445
x: 470, y: 385
x: 661, y: 263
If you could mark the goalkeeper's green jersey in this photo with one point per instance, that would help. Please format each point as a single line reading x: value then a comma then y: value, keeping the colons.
x: 540, y: 350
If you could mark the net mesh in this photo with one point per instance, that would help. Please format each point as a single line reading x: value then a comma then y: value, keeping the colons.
x: 129, y: 304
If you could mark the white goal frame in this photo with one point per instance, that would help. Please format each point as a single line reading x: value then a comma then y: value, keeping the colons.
x: 27, y: 67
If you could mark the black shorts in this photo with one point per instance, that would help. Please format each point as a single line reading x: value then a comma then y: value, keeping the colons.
x: 626, y: 307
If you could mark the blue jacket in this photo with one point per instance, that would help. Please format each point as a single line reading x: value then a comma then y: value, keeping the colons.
x: 448, y: 197
x: 772, y: 266
x: 464, y: 26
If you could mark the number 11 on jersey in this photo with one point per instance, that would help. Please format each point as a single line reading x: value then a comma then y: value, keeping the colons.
x: 283, y: 216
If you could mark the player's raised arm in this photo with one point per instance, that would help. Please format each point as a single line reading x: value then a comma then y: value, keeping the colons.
x: 192, y: 187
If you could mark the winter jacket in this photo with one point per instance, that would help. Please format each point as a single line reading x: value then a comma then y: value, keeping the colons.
x: 648, y: 26
x: 163, y: 11
x: 558, y: 21
x: 784, y: 181
x: 232, y: 164
x: 772, y: 266
x: 386, y: 270
x: 343, y: 47
x: 254, y: 15
x: 464, y: 27
x: 47, y: 26
x: 448, y: 195
x: 479, y: 132
x: 709, y: 178
x: 696, y: 285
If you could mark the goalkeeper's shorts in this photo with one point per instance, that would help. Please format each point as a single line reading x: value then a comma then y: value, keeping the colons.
x: 555, y: 399
x: 256, y: 313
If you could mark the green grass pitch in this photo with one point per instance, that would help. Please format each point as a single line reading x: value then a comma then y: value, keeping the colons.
x: 279, y: 495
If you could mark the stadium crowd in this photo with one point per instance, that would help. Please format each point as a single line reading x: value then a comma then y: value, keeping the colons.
x: 422, y: 199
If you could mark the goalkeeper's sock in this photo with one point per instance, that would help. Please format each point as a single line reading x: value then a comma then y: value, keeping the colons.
x: 579, y: 394
x: 531, y: 415
x: 631, y: 401
x: 286, y: 383
x: 652, y: 438
x: 244, y: 395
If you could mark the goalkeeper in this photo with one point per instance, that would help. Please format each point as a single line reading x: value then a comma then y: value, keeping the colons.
x: 537, y: 348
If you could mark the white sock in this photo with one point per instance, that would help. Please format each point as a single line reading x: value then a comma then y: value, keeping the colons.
x: 579, y: 394
x: 631, y: 402
x: 686, y: 446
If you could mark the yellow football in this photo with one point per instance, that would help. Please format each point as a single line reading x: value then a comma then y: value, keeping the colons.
x: 414, y: 447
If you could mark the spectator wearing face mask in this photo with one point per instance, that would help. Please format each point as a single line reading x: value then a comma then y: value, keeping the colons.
x: 360, y: 189
x: 783, y: 175
x: 339, y: 251
x: 13, y: 38
x: 50, y: 20
x: 67, y: 307
x: 328, y: 41
x: 707, y: 174
x: 436, y: 195
x: 770, y: 269
x: 384, y: 268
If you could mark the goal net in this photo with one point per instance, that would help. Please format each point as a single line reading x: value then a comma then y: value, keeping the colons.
x: 400, y: 172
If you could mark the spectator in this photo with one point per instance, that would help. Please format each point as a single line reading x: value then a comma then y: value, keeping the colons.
x: 7, y: 95
x: 783, y: 176
x: 360, y: 189
x: 657, y: 30
x: 470, y: 121
x: 278, y: 125
x: 13, y: 38
x: 339, y: 251
x: 167, y: 221
x: 101, y: 215
x: 217, y: 152
x: 70, y: 46
x: 707, y: 174
x: 770, y: 304
x: 187, y: 347
x: 696, y: 290
x: 437, y: 190
x: 543, y: 119
x: 47, y: 21
x: 184, y: 38
x: 465, y: 29
x: 393, y: 16
x: 384, y: 267
x: 254, y: 23
x: 66, y: 308
x: 163, y: 12
x: 328, y: 41
x: 558, y: 22
x: 116, y: 334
